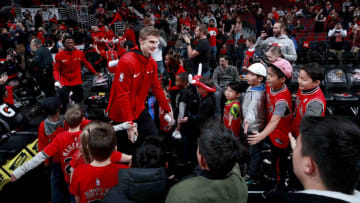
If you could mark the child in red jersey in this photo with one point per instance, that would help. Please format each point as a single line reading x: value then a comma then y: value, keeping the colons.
x: 83, y: 155
x: 48, y: 130
x: 232, y: 109
x: 65, y: 144
x: 90, y: 182
x: 249, y: 53
x: 51, y: 126
x: 278, y: 108
x: 310, y: 100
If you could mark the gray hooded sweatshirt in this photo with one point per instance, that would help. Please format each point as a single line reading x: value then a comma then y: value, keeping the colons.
x: 286, y: 45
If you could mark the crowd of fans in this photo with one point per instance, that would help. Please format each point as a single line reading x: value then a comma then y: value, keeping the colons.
x: 218, y: 73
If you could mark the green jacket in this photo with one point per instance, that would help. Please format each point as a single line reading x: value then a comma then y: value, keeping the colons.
x: 233, y: 189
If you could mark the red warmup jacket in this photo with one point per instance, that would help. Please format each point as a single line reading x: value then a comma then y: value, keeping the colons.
x: 135, y: 75
x: 67, y: 68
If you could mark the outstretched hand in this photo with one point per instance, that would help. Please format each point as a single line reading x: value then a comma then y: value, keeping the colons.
x: 13, y: 178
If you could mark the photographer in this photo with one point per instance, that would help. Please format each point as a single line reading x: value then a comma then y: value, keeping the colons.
x: 279, y: 39
x: 12, y: 66
x: 172, y: 20
x: 201, y: 52
x: 319, y: 21
x: 337, y: 40
x: 6, y: 42
x: 42, y: 64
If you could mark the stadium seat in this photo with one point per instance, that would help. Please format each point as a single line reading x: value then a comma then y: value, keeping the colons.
x: 349, y: 58
x: 230, y: 41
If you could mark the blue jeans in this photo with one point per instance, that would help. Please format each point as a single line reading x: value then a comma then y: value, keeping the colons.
x: 182, y: 51
x: 57, y: 182
x: 237, y: 37
x: 206, y: 74
x: 255, y: 160
x: 72, y: 197
x: 213, y: 51
x: 161, y: 67
x: 218, y: 95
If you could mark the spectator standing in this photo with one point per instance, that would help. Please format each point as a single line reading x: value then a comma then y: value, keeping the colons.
x: 64, y: 145
x: 48, y: 130
x: 201, y: 52
x: 259, y: 17
x: 355, y: 38
x: 223, y: 75
x: 279, y: 116
x: 100, y: 174
x: 322, y: 174
x: 220, y: 179
x: 237, y: 30
x: 280, y: 39
x: 228, y: 25
x: 232, y: 111
x: 249, y: 52
x: 327, y: 8
x: 310, y: 100
x: 213, y: 32
x: 206, y: 19
x: 319, y: 21
x: 42, y: 62
x: 6, y: 42
x: 38, y: 20
x: 253, y: 106
x: 146, y: 180
x: 274, y: 14
x: 173, y: 21
x: 332, y: 19
x: 158, y: 56
x: 337, y: 40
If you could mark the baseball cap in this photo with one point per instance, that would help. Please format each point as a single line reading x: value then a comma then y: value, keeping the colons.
x: 284, y: 66
x: 258, y: 69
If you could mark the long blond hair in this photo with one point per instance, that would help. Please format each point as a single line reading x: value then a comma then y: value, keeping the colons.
x: 84, y: 139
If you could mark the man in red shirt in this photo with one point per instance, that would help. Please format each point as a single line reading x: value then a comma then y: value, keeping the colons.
x: 213, y: 32
x: 135, y: 74
x: 67, y: 72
